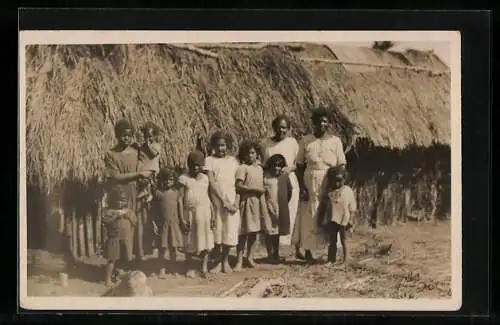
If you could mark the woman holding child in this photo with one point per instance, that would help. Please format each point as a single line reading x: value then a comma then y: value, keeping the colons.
x: 317, y: 153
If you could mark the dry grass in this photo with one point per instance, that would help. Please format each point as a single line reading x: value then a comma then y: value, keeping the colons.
x: 418, y: 265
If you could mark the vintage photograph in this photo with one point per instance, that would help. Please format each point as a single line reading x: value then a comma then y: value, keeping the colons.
x: 243, y: 168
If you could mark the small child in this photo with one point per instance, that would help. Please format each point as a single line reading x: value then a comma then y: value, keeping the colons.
x: 198, y: 214
x: 336, y: 213
x: 278, y: 194
x: 149, y: 159
x: 251, y: 200
x: 119, y: 221
x: 171, y: 209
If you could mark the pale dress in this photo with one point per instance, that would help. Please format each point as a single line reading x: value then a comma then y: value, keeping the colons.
x: 227, y: 224
x: 289, y: 148
x: 197, y: 209
x: 319, y: 154
x: 342, y: 203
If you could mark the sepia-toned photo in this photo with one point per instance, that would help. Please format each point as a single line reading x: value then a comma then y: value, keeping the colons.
x: 213, y: 170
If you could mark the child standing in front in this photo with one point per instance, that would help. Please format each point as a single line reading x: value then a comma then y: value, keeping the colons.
x: 221, y: 169
x: 252, y: 206
x: 119, y: 221
x: 336, y: 212
x: 278, y: 194
x: 198, y: 214
x: 171, y: 208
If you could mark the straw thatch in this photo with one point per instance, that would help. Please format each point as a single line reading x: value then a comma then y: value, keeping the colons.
x: 397, y: 102
x: 76, y: 93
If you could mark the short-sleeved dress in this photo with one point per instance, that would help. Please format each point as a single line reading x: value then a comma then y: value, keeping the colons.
x: 198, y: 210
x: 342, y: 203
x: 226, y: 224
x: 171, y: 234
x: 252, y: 207
x: 278, y: 194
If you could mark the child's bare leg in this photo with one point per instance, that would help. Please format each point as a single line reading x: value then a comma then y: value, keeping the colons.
x: 204, y: 263
x: 217, y: 254
x: 345, y: 248
x: 269, y: 247
x: 298, y: 253
x: 251, y: 239
x: 276, y: 248
x: 239, y: 253
x: 110, y: 266
x: 226, y: 268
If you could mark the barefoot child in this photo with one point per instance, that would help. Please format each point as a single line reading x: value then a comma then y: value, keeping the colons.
x: 221, y: 170
x: 119, y: 221
x: 336, y: 212
x: 198, y: 215
x: 252, y: 206
x: 278, y: 194
x: 171, y: 208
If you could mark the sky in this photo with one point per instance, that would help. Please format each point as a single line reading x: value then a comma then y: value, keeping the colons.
x: 441, y: 49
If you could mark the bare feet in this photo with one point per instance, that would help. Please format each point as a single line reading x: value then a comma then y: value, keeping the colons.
x: 238, y: 267
x: 216, y: 269
x: 162, y: 274
x: 226, y: 268
x: 108, y: 283
x: 191, y: 274
x: 251, y: 262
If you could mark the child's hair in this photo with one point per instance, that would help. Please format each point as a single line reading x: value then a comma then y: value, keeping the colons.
x: 333, y: 172
x: 167, y: 173
x: 196, y: 157
x: 221, y: 135
x: 245, y: 148
x: 123, y: 125
x: 150, y: 126
x: 117, y: 193
x: 276, y: 160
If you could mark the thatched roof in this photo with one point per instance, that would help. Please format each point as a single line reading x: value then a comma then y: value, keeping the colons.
x: 76, y: 93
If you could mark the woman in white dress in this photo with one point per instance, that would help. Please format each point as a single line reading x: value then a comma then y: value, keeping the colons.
x: 282, y: 143
x: 317, y: 153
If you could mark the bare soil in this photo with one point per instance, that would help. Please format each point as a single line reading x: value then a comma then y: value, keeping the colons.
x: 417, y: 265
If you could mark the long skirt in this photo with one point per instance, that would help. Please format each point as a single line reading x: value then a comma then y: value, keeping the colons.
x: 293, y: 207
x: 306, y: 232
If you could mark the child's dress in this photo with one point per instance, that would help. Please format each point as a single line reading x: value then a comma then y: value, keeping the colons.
x: 278, y: 194
x: 198, y: 211
x: 170, y: 233
x: 226, y: 224
x: 252, y: 207
x: 119, y: 229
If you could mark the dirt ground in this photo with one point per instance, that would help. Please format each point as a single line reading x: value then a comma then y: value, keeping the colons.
x: 418, y: 265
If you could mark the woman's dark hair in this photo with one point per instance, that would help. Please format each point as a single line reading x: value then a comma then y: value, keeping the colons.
x: 319, y: 113
x: 276, y: 160
x: 245, y: 148
x: 150, y: 126
x: 123, y: 125
x: 221, y: 135
x: 275, y: 123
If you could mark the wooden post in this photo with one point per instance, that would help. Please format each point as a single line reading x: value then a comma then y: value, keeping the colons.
x: 74, y: 235
x: 81, y: 237
x: 89, y: 234
x: 98, y: 225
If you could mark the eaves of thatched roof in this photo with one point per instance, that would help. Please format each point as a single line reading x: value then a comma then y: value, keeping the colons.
x: 76, y: 93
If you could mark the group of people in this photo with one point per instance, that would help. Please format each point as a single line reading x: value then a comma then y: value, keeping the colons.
x: 291, y: 193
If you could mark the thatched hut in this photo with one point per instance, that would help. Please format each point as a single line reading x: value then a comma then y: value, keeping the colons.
x: 392, y: 110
